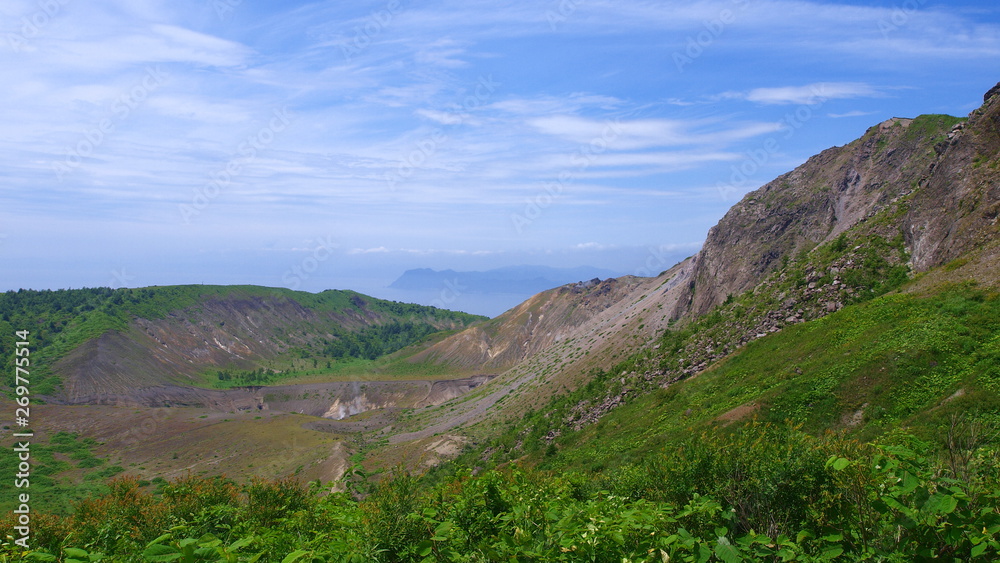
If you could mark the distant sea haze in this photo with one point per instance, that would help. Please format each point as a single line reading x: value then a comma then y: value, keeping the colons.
x: 484, y: 293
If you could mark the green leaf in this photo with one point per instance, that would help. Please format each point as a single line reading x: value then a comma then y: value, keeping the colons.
x: 978, y: 550
x: 160, y: 539
x: 160, y: 552
x: 444, y: 528
x: 295, y: 556
x: 704, y: 554
x: 424, y: 548
x: 841, y: 464
x: 910, y: 482
x: 832, y: 553
x: 240, y: 543
x: 727, y: 552
x: 946, y: 504
x: 75, y: 552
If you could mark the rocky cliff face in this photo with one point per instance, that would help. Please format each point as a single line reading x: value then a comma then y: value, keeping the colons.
x: 956, y: 209
x: 944, y: 166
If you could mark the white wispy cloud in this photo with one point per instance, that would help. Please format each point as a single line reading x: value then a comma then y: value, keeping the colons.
x: 855, y: 113
x: 622, y: 134
x: 377, y: 250
x: 810, y: 93
x: 585, y: 99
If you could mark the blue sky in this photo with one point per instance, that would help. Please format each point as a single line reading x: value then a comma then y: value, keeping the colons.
x: 334, y: 144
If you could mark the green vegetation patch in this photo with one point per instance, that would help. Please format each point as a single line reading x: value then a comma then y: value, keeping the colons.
x: 933, y: 127
x: 867, y: 369
x: 759, y: 493
x: 64, y: 471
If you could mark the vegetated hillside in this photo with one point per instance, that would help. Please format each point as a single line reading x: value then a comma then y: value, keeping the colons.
x: 783, y: 318
x: 875, y: 203
x: 96, y: 343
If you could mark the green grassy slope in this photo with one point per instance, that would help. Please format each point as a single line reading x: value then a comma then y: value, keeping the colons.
x: 898, y: 361
x: 61, y: 321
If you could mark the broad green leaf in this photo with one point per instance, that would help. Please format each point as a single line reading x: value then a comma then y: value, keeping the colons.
x: 160, y: 539
x: 75, y: 552
x: 424, y: 548
x: 160, y: 552
x: 947, y: 504
x: 832, y: 553
x: 892, y: 503
x: 241, y: 543
x: 295, y: 556
x: 910, y: 482
x: 727, y: 552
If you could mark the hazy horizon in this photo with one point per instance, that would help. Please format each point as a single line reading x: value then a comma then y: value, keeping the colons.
x: 328, y: 146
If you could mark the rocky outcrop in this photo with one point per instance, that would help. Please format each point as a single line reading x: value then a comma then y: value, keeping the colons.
x: 943, y: 163
x: 957, y: 208
x: 993, y: 92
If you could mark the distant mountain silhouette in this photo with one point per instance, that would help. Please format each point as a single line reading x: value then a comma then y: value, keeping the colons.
x: 512, y: 279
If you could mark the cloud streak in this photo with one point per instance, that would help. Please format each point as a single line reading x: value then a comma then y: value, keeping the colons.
x: 593, y: 101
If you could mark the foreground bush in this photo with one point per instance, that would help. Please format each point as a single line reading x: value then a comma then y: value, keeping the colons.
x: 760, y: 493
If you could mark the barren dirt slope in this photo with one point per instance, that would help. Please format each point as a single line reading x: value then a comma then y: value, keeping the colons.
x: 641, y: 309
